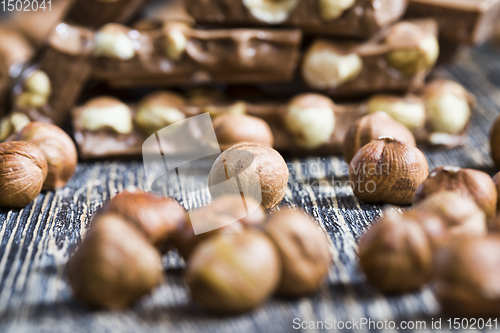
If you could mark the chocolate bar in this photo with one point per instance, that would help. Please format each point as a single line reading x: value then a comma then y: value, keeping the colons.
x: 52, y: 85
x: 178, y: 54
x: 355, y: 19
x: 397, y: 59
x: 461, y: 21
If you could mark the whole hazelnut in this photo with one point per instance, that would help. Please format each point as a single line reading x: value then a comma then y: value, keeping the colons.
x: 226, y: 215
x: 156, y: 217
x: 310, y: 119
x: 467, y: 182
x: 466, y: 281
x: 408, y: 110
x: 115, y: 265
x: 233, y: 128
x: 374, y: 126
x: 396, y: 255
x: 233, y: 273
x: 272, y: 12
x: 23, y: 169
x: 107, y: 113
x: 387, y: 171
x: 159, y: 110
x: 58, y: 149
x: 250, y: 162
x: 303, y: 249
x: 112, y: 41
x: 495, y: 142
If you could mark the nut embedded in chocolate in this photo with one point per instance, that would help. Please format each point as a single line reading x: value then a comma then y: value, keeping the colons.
x: 112, y: 41
x: 159, y: 110
x: 109, y: 113
x: 408, y: 110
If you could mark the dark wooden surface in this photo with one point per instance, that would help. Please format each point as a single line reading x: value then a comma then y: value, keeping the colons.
x: 36, y: 242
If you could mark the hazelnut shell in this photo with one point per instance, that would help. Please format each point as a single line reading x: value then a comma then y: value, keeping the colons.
x: 233, y: 128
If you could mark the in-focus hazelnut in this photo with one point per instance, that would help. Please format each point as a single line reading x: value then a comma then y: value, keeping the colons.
x: 58, y: 149
x: 387, y: 171
x: 467, y: 182
x: 310, y: 119
x: 115, y: 265
x: 226, y: 215
x: 156, y: 217
x: 332, y: 9
x: 413, y: 50
x: 107, y: 113
x: 303, y: 249
x: 495, y: 142
x: 233, y: 128
x: 12, y: 123
x: 371, y: 127
x: 326, y: 67
x: 23, y: 170
x: 448, y: 106
x: 408, y: 110
x: 159, y: 110
x: 271, y: 11
x: 175, y: 40
x: 251, y: 162
x: 395, y: 255
x: 466, y: 281
x: 233, y: 273
x: 112, y: 41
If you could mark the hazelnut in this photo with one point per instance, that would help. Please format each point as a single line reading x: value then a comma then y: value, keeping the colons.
x: 112, y: 41
x: 58, y: 149
x: 26, y: 100
x: 332, y: 9
x: 159, y: 110
x: 23, y: 170
x: 233, y: 273
x: 466, y: 280
x: 36, y: 91
x: 467, y: 182
x: 310, y: 119
x: 114, y: 266
x: 303, y: 250
x: 495, y: 142
x: 156, y: 217
x: 271, y: 11
x: 448, y: 106
x: 236, y: 108
x: 12, y: 123
x: 233, y: 128
x: 396, y: 255
x: 387, y: 171
x: 226, y: 215
x: 107, y: 113
x: 409, y: 110
x: 326, y: 67
x: 371, y: 127
x: 250, y: 162
x: 175, y: 40
x: 413, y: 50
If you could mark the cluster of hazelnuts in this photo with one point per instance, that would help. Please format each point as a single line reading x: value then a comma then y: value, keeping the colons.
x: 233, y: 268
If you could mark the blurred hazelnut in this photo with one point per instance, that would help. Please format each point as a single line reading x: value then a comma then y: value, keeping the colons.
x: 396, y: 255
x: 495, y: 142
x: 175, y: 40
x: 23, y: 170
x: 271, y: 11
x: 326, y: 67
x: 114, y: 266
x: 371, y: 127
x: 467, y: 274
x: 467, y: 182
x: 159, y: 110
x: 112, y: 41
x: 448, y: 106
x: 107, y: 113
x: 233, y: 273
x: 303, y: 250
x: 233, y: 128
x: 26, y: 100
x: 236, y: 108
x: 58, y: 149
x: 226, y: 215
x: 38, y: 83
x: 387, y: 171
x: 156, y: 217
x: 310, y: 119
x: 332, y: 9
x: 408, y: 110
x: 12, y: 123
x: 413, y: 50
x: 251, y: 162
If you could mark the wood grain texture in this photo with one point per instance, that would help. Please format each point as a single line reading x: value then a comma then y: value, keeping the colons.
x: 36, y: 242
